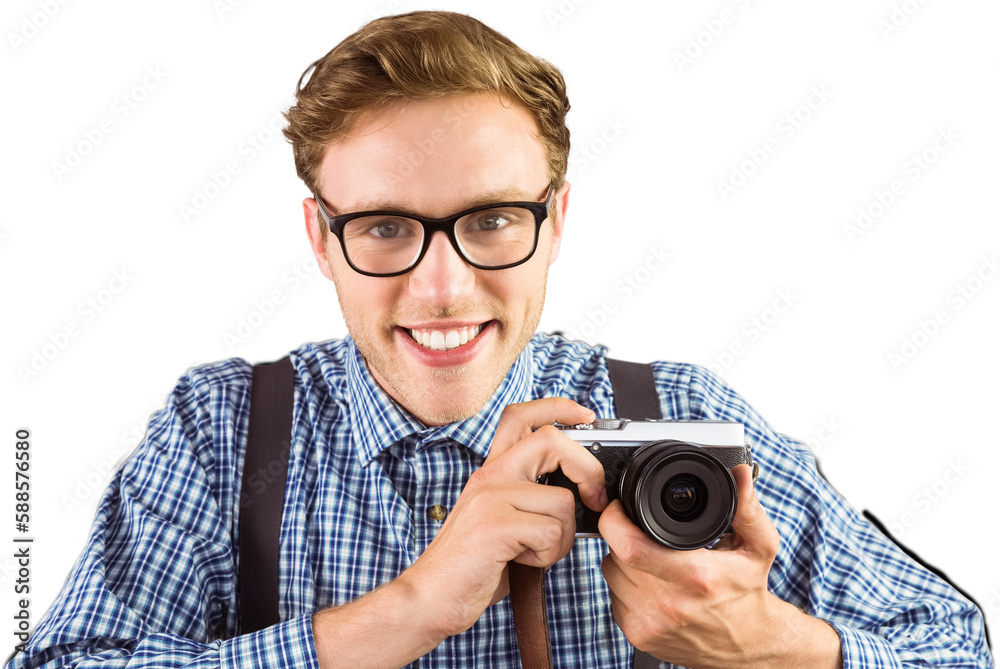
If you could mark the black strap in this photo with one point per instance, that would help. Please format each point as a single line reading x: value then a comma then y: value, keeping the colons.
x: 635, y: 397
x: 262, y: 494
x: 634, y: 390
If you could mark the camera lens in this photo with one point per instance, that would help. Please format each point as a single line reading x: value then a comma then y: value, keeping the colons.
x: 684, y: 498
x: 679, y: 494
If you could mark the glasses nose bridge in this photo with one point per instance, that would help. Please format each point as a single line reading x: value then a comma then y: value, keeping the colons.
x: 447, y: 226
x: 441, y: 275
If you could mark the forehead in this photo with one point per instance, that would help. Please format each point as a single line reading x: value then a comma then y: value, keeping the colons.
x: 435, y: 156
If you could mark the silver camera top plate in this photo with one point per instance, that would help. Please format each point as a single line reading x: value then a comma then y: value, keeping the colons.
x: 705, y: 432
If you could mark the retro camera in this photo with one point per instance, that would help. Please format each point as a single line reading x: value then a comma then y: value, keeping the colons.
x: 672, y: 477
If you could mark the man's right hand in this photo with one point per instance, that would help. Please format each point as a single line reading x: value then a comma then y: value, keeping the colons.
x: 501, y: 515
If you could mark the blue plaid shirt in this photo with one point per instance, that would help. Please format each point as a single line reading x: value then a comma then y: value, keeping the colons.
x: 155, y: 585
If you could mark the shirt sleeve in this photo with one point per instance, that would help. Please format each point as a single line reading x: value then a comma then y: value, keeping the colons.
x: 833, y: 563
x: 154, y: 586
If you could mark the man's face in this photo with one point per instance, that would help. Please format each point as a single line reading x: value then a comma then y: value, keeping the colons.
x: 436, y: 158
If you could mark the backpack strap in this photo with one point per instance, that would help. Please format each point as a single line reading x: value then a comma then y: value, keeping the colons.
x: 262, y: 494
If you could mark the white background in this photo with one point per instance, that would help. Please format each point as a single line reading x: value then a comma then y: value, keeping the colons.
x: 83, y: 366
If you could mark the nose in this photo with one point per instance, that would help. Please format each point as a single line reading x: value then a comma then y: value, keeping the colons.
x: 442, y: 278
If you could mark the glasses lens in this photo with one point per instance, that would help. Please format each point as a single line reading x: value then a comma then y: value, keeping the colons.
x: 383, y: 244
x: 498, y: 236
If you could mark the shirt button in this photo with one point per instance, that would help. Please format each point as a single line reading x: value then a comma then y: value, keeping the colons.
x: 437, y: 512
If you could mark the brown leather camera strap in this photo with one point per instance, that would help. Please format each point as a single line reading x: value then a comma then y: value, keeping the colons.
x: 531, y: 619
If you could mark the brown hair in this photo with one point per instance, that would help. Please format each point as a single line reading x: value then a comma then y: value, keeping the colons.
x: 420, y: 55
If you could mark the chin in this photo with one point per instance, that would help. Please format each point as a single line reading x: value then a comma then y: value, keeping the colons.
x: 460, y: 395
x: 435, y: 416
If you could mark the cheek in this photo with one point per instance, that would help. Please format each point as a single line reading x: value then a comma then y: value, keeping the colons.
x: 514, y: 286
x: 366, y: 302
x: 522, y: 290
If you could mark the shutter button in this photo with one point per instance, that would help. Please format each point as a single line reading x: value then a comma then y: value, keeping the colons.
x: 437, y: 512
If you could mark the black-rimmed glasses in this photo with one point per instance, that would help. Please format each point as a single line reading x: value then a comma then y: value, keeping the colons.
x: 390, y: 243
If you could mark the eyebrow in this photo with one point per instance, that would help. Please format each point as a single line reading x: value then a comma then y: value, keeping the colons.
x: 490, y: 197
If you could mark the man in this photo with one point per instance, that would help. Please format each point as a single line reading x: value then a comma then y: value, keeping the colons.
x: 416, y: 442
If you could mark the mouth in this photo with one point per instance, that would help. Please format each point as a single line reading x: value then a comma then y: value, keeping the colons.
x: 445, y: 339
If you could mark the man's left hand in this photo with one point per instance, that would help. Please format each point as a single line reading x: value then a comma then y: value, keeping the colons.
x: 708, y: 608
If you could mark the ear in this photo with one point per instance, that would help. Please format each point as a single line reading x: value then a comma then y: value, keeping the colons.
x: 313, y: 220
x: 562, y: 204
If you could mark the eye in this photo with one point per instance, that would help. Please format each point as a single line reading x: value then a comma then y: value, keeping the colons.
x: 386, y: 230
x: 488, y: 221
x: 382, y: 227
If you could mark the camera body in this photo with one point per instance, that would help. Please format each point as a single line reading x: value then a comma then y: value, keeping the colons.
x: 672, y: 477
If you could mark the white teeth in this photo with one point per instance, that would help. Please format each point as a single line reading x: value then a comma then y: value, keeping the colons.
x: 441, y: 340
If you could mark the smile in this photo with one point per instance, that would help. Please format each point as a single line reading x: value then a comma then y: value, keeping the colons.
x: 445, y: 340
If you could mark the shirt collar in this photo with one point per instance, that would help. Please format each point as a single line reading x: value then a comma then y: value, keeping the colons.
x: 378, y: 422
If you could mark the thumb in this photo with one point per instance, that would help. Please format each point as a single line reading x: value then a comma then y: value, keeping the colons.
x: 756, y: 532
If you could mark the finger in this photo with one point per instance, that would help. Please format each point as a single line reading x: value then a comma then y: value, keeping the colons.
x: 620, y: 611
x: 756, y: 532
x: 519, y: 516
x: 503, y: 588
x: 544, y: 540
x: 520, y: 420
x: 621, y: 614
x: 548, y: 449
x: 634, y: 549
x: 546, y: 500
x: 622, y: 582
x: 553, y: 502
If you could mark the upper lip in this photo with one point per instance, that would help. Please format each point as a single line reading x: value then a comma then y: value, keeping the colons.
x: 444, y: 325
